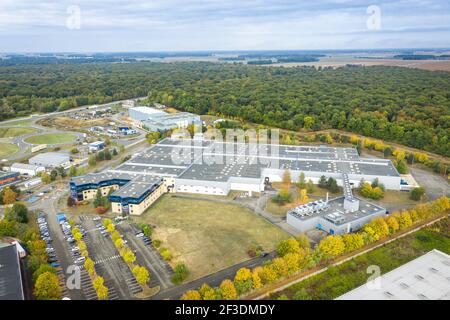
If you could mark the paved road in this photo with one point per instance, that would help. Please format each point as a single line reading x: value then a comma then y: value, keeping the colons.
x: 435, y: 185
x: 59, y: 243
x: 213, y: 280
x: 148, y: 257
x: 23, y: 146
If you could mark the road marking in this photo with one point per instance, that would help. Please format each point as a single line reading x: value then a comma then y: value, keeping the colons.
x: 107, y: 259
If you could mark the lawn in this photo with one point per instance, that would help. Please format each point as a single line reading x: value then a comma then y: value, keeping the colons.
x: 7, y: 149
x: 15, y: 132
x: 349, y: 275
x: 52, y: 138
x: 396, y: 197
x: 19, y: 123
x: 208, y: 235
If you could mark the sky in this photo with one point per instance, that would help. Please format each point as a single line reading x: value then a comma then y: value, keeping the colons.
x: 196, y: 25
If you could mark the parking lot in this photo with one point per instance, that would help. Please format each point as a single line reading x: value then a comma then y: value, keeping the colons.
x: 107, y: 260
x: 55, y: 259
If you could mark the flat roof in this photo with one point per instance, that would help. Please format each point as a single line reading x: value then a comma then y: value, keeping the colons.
x: 335, y: 213
x: 10, y: 276
x: 147, y: 110
x: 137, y: 187
x: 50, y: 157
x: 26, y: 166
x: 424, y: 278
x: 5, y: 174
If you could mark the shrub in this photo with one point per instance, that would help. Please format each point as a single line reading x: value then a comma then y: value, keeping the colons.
x: 165, y: 253
x: 416, y: 194
x: 181, y: 273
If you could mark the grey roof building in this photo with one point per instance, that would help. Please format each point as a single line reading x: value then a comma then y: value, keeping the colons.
x: 424, y: 278
x: 10, y: 277
x: 50, y: 160
x: 167, y: 121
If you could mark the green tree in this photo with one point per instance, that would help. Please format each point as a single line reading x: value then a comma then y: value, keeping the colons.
x: 72, y: 171
x: 290, y: 245
x: 47, y: 287
x: 98, y: 200
x: 416, y: 194
x: 45, y: 178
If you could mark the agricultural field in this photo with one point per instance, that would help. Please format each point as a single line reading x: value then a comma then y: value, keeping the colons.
x: 208, y: 235
x: 7, y: 149
x: 15, y: 132
x: 51, y: 138
x: 340, y: 279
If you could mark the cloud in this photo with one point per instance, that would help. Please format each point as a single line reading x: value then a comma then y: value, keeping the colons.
x: 119, y: 25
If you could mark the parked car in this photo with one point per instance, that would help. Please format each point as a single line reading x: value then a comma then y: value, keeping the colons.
x: 139, y: 235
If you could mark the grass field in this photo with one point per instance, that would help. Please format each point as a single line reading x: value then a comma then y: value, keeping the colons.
x: 20, y: 123
x: 52, y: 138
x: 7, y: 149
x: 208, y: 235
x: 15, y: 132
x: 349, y: 275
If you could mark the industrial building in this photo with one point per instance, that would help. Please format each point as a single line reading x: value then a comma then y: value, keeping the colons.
x: 187, y: 166
x: 424, y: 278
x: 27, y: 169
x: 11, y: 287
x: 143, y: 113
x: 157, y: 120
x: 51, y: 160
x: 167, y: 121
x: 7, y: 178
x: 338, y: 216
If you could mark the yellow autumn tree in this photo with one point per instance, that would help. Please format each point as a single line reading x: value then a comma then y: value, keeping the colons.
x: 292, y: 261
x: 191, y: 295
x: 290, y: 245
x: 9, y: 196
x: 404, y: 220
x: 243, y: 280
x: 399, y: 154
x: 256, y: 279
x: 207, y: 293
x: 353, y: 241
x: 332, y: 246
x: 392, y: 223
x: 102, y: 292
x: 228, y: 290
x: 380, y: 227
x: 287, y: 177
x: 268, y: 274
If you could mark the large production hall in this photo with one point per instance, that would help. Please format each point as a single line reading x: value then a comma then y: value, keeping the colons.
x: 212, y: 167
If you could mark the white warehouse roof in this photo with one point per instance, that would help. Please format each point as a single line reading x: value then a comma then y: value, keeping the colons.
x: 424, y: 278
x: 50, y: 158
x: 146, y: 110
x: 24, y: 166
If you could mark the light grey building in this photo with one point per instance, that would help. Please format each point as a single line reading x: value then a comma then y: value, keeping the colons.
x: 27, y: 169
x: 335, y: 216
x: 51, y: 160
x: 142, y: 113
x: 424, y: 278
x: 167, y: 121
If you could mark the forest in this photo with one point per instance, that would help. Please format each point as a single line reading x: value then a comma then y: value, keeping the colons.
x: 403, y: 105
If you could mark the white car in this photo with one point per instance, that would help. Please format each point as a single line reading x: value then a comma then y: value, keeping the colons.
x: 140, y: 235
x: 80, y: 260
